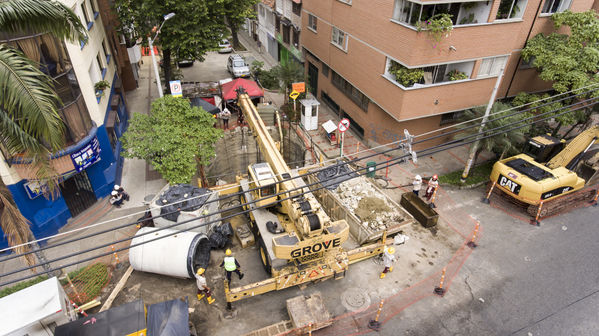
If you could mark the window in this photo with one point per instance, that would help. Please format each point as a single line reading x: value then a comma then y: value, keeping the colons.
x: 339, y: 38
x: 297, y: 8
x: 85, y: 14
x: 94, y: 7
x: 350, y: 91
x: 325, y: 70
x: 312, y: 22
x: 106, y: 53
x: 94, y: 71
x: 510, y: 9
x: 418, y: 77
x: 491, y: 66
x: 101, y: 64
x: 277, y: 24
x: 556, y: 6
x: 450, y: 117
x: 296, y: 38
x: 411, y: 13
x: 286, y: 32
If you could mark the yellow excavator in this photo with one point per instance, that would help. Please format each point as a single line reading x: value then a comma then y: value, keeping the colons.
x: 297, y: 240
x: 551, y: 172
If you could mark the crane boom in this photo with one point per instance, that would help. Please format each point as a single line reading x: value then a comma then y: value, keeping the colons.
x: 309, y: 232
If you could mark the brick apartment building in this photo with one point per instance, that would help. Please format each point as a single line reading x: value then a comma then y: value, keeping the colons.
x: 350, y: 46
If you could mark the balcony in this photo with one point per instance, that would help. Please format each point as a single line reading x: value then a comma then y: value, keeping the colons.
x: 426, y: 76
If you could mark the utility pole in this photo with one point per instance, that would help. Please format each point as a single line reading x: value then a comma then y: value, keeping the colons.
x: 151, y: 45
x: 474, y: 146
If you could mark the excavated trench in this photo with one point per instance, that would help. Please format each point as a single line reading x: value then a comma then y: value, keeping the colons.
x: 238, y: 149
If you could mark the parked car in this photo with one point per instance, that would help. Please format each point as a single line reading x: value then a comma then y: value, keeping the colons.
x: 185, y: 63
x: 224, y: 47
x: 237, y: 67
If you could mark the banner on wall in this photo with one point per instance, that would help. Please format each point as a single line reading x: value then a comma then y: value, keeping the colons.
x: 87, y: 155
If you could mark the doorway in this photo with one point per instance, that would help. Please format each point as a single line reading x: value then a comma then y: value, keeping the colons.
x: 313, y: 78
x: 78, y: 193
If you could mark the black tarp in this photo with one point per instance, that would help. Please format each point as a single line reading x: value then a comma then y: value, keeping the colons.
x: 337, y: 174
x: 199, y: 102
x: 169, y: 318
x: 181, y: 197
x: 118, y: 321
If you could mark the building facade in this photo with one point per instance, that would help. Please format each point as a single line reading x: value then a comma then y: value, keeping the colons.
x: 360, y: 55
x: 287, y: 30
x: 90, y: 163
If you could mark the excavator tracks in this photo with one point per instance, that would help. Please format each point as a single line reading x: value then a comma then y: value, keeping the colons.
x: 553, y: 207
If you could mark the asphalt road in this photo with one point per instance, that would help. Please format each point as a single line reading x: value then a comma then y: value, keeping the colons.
x: 521, y: 280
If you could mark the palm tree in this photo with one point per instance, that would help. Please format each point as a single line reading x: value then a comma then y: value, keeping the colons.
x: 502, y: 143
x: 29, y: 119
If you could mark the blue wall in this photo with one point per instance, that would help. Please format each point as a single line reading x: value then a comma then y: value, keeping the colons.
x: 48, y: 216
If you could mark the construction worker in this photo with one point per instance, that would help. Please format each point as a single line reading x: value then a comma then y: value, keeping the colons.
x: 388, y: 260
x: 231, y: 265
x: 203, y: 289
x: 433, y: 184
x: 417, y: 184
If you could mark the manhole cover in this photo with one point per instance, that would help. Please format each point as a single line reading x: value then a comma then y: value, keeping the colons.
x: 355, y: 299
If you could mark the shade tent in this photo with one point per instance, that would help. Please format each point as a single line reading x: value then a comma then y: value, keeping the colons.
x: 199, y: 102
x: 251, y: 87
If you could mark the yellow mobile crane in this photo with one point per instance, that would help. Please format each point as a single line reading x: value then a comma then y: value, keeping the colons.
x: 550, y: 169
x: 298, y: 242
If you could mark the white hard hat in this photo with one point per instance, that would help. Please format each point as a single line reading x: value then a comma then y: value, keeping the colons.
x: 114, y: 193
x: 418, y: 177
x: 116, y: 186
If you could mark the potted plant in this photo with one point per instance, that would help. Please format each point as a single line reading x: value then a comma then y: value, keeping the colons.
x: 456, y: 74
x: 404, y: 76
x: 437, y: 26
x: 100, y: 87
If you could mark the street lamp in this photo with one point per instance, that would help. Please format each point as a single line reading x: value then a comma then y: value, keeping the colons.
x: 150, y: 42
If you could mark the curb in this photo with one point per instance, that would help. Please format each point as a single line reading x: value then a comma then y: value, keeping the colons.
x: 472, y: 186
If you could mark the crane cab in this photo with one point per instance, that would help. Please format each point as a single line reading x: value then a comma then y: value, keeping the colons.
x: 543, y: 147
x: 265, y: 184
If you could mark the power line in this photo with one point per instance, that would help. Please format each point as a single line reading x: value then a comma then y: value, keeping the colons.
x: 314, y: 165
x: 283, y: 180
x: 398, y: 160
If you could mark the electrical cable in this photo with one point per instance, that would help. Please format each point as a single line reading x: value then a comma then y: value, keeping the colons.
x: 504, y: 116
x: 355, y: 153
x: 397, y: 161
x: 511, y: 108
x: 283, y: 180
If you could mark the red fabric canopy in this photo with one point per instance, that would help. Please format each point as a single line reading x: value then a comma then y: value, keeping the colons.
x: 251, y: 87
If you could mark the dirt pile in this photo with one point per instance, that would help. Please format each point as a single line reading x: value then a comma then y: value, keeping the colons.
x: 367, y: 203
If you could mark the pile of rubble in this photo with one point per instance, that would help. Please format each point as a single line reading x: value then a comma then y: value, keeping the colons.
x: 367, y: 203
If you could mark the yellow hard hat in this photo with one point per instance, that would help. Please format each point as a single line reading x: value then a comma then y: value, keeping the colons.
x: 391, y: 250
x: 228, y: 252
x: 200, y: 271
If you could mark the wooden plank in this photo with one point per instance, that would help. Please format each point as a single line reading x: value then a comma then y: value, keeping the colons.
x: 119, y: 286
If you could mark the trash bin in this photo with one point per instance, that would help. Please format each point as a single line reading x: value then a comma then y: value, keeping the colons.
x: 370, y: 168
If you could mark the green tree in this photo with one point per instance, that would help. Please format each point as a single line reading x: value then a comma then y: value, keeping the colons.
x: 29, y: 120
x: 236, y: 11
x: 287, y: 74
x: 571, y: 60
x: 176, y: 139
x: 503, y: 143
x: 195, y: 29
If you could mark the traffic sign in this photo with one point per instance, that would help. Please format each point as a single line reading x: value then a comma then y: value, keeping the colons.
x: 343, y: 125
x: 299, y: 87
x: 176, y: 90
x: 294, y: 94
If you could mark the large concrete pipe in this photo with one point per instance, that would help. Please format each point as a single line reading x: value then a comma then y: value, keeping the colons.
x: 178, y: 255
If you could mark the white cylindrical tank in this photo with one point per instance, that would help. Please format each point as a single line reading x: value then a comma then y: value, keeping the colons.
x: 175, y: 255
